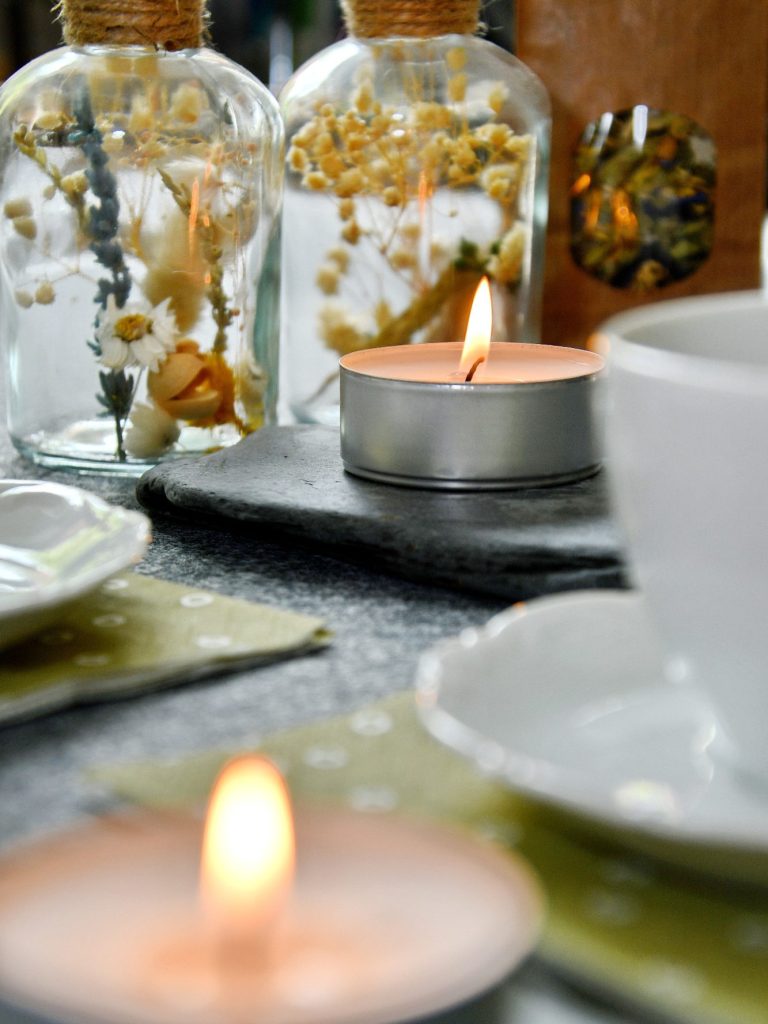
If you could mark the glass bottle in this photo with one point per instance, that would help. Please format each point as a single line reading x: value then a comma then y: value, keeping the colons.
x: 140, y: 186
x: 417, y: 163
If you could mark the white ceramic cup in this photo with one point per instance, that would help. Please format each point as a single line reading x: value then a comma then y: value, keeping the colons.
x: 687, y: 445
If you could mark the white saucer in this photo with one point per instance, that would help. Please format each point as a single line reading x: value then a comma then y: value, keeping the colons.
x: 56, y: 544
x: 565, y: 700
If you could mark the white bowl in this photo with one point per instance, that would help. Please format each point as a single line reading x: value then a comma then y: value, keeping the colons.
x: 56, y: 544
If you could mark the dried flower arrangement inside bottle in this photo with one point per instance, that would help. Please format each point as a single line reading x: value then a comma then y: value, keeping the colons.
x: 140, y: 190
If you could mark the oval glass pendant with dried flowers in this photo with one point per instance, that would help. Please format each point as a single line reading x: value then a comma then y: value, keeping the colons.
x: 141, y: 183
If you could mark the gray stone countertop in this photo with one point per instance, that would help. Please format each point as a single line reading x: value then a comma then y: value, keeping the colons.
x: 380, y: 625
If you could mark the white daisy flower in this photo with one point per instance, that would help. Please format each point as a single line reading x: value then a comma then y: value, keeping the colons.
x: 151, y: 431
x: 131, y: 335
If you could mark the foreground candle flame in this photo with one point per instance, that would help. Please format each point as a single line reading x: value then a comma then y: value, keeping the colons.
x: 248, y: 855
x: 477, y: 343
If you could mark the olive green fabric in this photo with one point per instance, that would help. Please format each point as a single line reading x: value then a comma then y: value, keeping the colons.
x: 137, y: 632
x: 671, y: 941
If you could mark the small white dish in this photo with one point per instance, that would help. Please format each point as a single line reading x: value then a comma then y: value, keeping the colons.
x: 565, y: 700
x: 56, y: 544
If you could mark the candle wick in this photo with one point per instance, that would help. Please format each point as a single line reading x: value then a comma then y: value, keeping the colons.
x: 473, y: 370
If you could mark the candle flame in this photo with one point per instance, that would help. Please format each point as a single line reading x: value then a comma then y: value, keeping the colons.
x: 248, y: 854
x: 477, y: 343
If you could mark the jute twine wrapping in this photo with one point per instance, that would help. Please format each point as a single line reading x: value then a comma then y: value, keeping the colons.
x: 169, y: 24
x: 377, y: 19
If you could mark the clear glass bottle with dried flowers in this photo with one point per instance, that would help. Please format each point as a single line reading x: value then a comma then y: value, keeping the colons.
x: 140, y: 186
x: 416, y: 164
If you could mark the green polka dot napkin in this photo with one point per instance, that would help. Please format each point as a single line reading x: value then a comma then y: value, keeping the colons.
x: 135, y: 633
x: 686, y: 949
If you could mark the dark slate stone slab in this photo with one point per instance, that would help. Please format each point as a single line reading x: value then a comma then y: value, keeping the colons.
x: 289, y: 482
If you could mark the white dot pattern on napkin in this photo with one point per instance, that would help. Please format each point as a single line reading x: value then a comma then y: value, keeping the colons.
x: 626, y: 872
x: 370, y: 722
x: 325, y: 758
x: 674, y: 982
x: 611, y: 907
x: 373, y: 799
x: 213, y: 641
x: 57, y: 636
x: 92, y: 660
x: 196, y: 600
x: 109, y: 621
x: 749, y: 934
x: 113, y: 586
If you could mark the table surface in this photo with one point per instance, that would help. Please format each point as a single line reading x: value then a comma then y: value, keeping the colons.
x: 380, y: 625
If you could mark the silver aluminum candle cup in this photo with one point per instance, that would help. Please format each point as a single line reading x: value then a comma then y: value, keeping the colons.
x: 468, y: 436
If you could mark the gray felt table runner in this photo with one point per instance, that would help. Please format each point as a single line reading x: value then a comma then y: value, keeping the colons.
x: 289, y: 482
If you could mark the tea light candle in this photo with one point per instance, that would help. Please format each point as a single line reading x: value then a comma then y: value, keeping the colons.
x: 471, y: 416
x: 386, y: 921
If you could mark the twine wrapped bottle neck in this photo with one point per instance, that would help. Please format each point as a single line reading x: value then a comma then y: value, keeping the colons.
x: 166, y: 24
x: 380, y: 19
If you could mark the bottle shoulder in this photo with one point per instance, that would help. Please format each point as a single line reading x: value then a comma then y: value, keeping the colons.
x: 59, y: 76
x: 400, y: 72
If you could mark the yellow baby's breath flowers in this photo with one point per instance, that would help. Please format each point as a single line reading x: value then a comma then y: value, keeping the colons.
x: 45, y: 294
x: 497, y: 97
x: 393, y: 170
x: 456, y: 58
x: 327, y: 278
x: 457, y: 87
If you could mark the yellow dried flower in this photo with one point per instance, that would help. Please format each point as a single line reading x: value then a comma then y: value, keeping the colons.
x: 75, y: 184
x: 315, y: 180
x: 45, y: 294
x: 176, y: 270
x: 187, y: 103
x: 501, y: 182
x: 24, y: 299
x: 507, y: 265
x: 363, y: 97
x: 379, y: 171
x: 331, y: 164
x: 497, y: 97
x: 351, y: 232
x: 113, y: 142
x: 410, y: 232
x: 430, y: 116
x: 457, y: 87
x: 464, y: 155
x: 456, y: 58
x: 341, y: 329
x: 141, y: 117
x: 437, y: 251
x: 340, y: 257
x: 306, y: 135
x: 349, y: 183
x: 50, y: 120
x: 323, y: 144
x: 403, y: 259
x: 25, y: 226
x: 17, y: 208
x: 356, y: 141
x: 327, y: 278
x: 518, y: 145
x: 496, y: 135
x: 327, y: 110
x: 382, y: 314
x: 392, y: 196
x: 346, y: 209
x: 49, y: 191
x: 297, y: 158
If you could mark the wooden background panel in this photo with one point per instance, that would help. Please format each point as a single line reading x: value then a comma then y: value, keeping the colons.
x: 703, y: 58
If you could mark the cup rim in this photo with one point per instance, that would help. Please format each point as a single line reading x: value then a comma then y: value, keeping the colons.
x: 691, y: 368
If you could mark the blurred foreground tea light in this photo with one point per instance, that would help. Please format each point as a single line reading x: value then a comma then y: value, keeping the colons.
x: 355, y: 919
x: 480, y: 415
